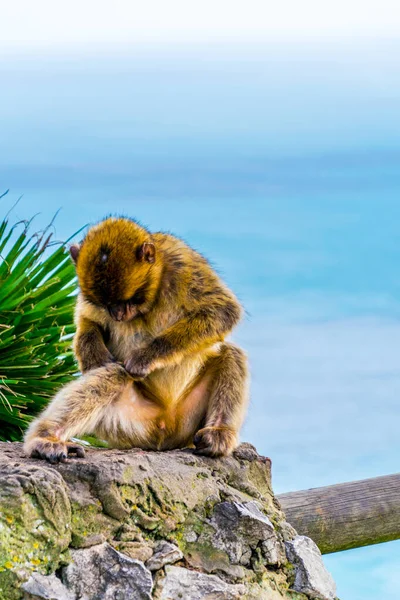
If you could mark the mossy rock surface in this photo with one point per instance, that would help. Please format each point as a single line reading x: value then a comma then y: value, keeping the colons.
x: 133, y: 501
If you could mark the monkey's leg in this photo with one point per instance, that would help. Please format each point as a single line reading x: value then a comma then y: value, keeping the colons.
x: 227, y: 403
x: 76, y: 409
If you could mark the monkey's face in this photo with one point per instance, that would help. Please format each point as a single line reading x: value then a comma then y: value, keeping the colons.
x: 114, y: 267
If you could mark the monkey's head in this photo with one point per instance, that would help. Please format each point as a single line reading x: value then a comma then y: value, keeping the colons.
x: 114, y: 266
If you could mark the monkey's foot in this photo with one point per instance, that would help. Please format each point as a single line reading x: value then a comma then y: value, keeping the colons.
x: 54, y: 451
x: 215, y: 441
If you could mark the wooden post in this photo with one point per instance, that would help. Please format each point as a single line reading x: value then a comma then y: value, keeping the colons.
x: 347, y: 515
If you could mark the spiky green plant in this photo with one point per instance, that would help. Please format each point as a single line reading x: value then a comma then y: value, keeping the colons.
x: 37, y: 286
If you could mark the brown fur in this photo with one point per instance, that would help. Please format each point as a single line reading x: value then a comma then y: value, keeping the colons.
x: 151, y: 317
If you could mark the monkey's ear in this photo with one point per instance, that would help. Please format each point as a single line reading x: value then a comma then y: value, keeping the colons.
x: 147, y: 252
x: 74, y: 252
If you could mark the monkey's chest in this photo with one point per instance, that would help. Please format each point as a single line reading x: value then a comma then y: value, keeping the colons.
x: 121, y: 345
x: 125, y: 337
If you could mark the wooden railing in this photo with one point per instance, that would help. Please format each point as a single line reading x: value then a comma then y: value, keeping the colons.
x: 347, y: 515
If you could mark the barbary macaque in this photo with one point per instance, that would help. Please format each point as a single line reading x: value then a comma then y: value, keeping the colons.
x: 151, y: 321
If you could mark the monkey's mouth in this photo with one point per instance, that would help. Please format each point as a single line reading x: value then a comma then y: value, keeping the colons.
x: 123, y: 311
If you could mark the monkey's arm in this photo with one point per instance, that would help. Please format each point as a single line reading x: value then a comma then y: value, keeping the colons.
x: 76, y: 409
x: 200, y: 329
x: 89, y: 347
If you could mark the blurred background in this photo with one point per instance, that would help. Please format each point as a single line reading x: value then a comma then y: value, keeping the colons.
x: 268, y: 137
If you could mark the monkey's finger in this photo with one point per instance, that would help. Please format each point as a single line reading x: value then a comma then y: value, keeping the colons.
x: 136, y: 374
x: 77, y: 450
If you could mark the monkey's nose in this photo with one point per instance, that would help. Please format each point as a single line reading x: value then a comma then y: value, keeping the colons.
x: 117, y: 311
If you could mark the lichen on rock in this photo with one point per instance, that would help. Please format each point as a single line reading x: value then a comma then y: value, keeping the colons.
x: 147, y: 525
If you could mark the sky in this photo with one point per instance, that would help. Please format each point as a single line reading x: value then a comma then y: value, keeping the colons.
x: 269, y: 138
x: 45, y: 23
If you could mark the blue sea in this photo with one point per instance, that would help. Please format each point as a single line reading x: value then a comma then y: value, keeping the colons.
x: 280, y: 163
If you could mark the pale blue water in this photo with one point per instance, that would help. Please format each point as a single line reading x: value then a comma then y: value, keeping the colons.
x: 281, y: 164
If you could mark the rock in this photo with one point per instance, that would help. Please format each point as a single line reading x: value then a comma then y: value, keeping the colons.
x: 288, y: 532
x: 98, y: 520
x: 136, y: 550
x: 35, y: 515
x: 180, y: 583
x: 191, y: 536
x: 246, y: 451
x: 272, y: 551
x: 240, y: 527
x: 45, y: 587
x: 91, y: 540
x: 164, y: 554
x: 103, y: 573
x: 311, y: 576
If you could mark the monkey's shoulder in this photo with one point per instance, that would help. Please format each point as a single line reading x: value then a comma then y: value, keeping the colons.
x: 178, y: 254
x: 189, y: 278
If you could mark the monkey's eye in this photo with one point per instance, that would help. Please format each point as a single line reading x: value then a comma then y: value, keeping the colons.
x: 104, y: 253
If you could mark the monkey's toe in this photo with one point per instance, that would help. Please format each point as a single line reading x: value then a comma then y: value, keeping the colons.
x: 76, y: 449
x: 54, y: 452
x: 215, y: 441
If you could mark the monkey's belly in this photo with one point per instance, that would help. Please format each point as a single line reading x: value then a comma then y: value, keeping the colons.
x: 137, y: 421
x: 171, y: 383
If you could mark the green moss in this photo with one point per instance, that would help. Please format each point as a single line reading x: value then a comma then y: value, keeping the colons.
x: 128, y: 474
x: 152, y: 508
x: 88, y: 521
x: 32, y: 535
x: 206, y: 557
x: 193, y: 524
x: 9, y: 587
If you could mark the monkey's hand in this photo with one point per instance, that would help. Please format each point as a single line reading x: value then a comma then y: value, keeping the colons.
x: 54, y: 451
x: 139, y: 365
x: 95, y: 359
x: 215, y: 441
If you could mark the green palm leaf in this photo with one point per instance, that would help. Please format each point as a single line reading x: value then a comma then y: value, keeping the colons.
x: 37, y: 297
